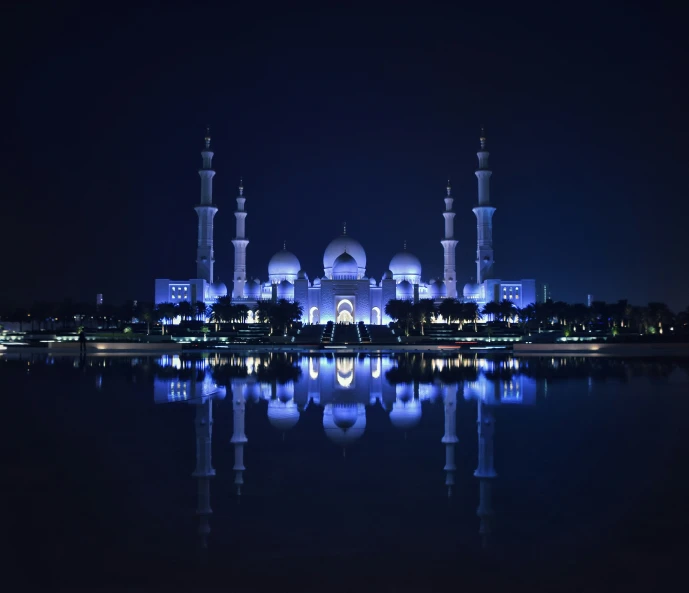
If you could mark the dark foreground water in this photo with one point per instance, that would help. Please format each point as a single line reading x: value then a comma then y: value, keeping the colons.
x: 411, y: 473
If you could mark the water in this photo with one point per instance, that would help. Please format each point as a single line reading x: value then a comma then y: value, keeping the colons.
x: 402, y: 473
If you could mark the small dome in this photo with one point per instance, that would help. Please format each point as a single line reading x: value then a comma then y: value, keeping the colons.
x: 405, y: 290
x: 405, y: 264
x: 472, y: 290
x: 217, y: 290
x: 253, y: 289
x: 405, y: 415
x: 316, y: 281
x: 340, y: 245
x: 438, y: 289
x: 283, y: 415
x: 285, y: 290
x: 283, y: 263
x: 373, y: 282
x: 387, y: 275
x: 431, y: 282
x: 301, y: 275
x: 345, y: 265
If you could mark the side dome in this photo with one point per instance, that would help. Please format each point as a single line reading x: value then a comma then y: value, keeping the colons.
x: 340, y: 245
x: 345, y: 267
x: 301, y: 275
x: 217, y: 290
x: 405, y: 264
x: 286, y: 290
x: 387, y: 275
x: 472, y: 291
x: 253, y: 289
x: 373, y: 282
x: 405, y: 290
x: 284, y: 265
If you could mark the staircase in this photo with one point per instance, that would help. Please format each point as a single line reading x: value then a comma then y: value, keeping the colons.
x: 346, y: 334
x: 328, y: 333
x: 381, y: 334
x: 252, y: 332
x: 364, y: 336
x: 310, y: 334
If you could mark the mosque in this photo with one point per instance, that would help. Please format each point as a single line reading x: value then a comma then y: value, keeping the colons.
x: 344, y: 293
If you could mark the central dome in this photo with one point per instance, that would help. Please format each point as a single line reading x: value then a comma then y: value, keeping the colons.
x: 340, y: 245
x: 284, y: 265
x: 345, y: 266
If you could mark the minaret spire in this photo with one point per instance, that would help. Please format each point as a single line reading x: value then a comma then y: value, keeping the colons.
x: 206, y: 210
x: 484, y: 216
x: 240, y: 243
x: 449, y: 244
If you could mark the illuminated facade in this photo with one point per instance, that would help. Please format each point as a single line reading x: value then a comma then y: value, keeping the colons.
x: 344, y: 293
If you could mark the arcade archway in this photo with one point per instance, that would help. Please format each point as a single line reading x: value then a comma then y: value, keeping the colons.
x: 345, y: 311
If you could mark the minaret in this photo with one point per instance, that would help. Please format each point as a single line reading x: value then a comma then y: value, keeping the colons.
x: 485, y: 471
x: 240, y: 242
x: 205, y: 256
x: 238, y: 436
x: 484, y: 217
x: 449, y: 244
x: 204, y: 470
x: 450, y: 437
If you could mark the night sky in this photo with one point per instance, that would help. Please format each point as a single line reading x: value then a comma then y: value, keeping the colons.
x: 358, y: 115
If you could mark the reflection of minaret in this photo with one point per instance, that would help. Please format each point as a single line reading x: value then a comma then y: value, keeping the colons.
x: 238, y: 436
x: 450, y: 437
x: 485, y: 471
x: 204, y: 470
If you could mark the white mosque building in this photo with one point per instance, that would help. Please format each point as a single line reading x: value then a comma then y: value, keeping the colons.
x: 344, y: 293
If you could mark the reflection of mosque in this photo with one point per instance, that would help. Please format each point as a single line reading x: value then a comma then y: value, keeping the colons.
x: 346, y: 387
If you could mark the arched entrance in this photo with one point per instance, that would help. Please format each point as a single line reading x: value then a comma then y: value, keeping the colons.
x: 375, y: 316
x: 345, y: 311
x: 314, y: 315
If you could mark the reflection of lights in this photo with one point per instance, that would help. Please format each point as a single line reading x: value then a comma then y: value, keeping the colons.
x: 375, y: 368
x: 345, y: 371
x: 313, y: 368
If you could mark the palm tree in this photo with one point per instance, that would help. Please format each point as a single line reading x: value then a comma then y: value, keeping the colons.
x: 400, y: 311
x: 507, y: 310
x: 447, y: 309
x: 201, y: 310
x: 185, y: 309
x: 526, y: 314
x: 422, y: 312
x: 471, y: 313
x: 167, y: 311
x: 262, y: 313
x: 491, y: 309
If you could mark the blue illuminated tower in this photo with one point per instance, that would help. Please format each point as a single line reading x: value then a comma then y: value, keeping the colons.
x: 240, y: 242
x: 205, y: 257
x: 484, y: 217
x: 449, y: 244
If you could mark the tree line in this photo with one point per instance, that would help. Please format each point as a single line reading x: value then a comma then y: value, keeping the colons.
x: 570, y: 318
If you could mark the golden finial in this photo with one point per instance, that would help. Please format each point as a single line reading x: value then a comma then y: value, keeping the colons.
x: 483, y: 138
x: 284, y: 245
x: 241, y: 186
x: 344, y: 228
x: 448, y: 188
x: 405, y: 244
x: 208, y: 137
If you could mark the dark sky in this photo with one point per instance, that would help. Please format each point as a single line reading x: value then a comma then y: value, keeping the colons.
x: 358, y: 114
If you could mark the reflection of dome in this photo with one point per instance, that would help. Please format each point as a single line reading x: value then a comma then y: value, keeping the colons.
x: 283, y: 415
x: 472, y: 291
x: 438, y: 289
x: 405, y: 264
x: 344, y: 423
x: 253, y: 289
x: 405, y: 290
x: 405, y: 415
x: 282, y: 265
x: 285, y: 290
x: 340, y: 245
x: 217, y: 290
x: 345, y: 267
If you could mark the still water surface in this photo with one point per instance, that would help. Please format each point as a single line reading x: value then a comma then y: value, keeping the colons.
x: 410, y: 472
